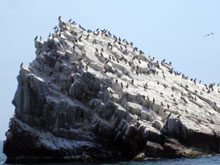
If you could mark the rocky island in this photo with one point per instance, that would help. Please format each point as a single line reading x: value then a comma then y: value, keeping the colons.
x: 91, y: 96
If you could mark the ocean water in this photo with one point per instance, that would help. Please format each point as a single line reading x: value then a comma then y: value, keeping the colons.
x: 203, y: 160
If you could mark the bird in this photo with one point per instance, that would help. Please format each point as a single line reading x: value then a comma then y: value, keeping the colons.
x: 121, y: 85
x: 168, y: 115
x: 35, y: 38
x: 21, y: 65
x: 209, y: 34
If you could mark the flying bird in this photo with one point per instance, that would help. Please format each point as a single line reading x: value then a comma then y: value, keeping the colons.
x: 208, y: 35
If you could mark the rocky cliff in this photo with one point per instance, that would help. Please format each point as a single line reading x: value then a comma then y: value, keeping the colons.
x: 90, y: 96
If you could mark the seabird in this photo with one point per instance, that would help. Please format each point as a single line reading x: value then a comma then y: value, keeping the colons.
x: 35, y: 38
x: 168, y: 115
x: 21, y: 65
x: 209, y: 34
x: 121, y: 85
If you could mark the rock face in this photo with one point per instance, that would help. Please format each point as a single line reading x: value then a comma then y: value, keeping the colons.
x: 89, y: 96
x: 2, y: 156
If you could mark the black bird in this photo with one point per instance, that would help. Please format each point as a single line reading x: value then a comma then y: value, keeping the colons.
x: 21, y: 65
x: 35, y: 38
x: 168, y: 115
x: 121, y: 85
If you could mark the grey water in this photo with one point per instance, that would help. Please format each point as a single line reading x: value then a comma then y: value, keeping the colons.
x: 203, y: 160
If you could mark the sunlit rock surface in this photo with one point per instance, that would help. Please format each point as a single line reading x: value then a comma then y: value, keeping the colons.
x: 89, y: 96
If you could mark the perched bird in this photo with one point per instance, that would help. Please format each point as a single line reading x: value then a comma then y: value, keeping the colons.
x: 21, y: 65
x: 35, y: 38
x: 169, y: 115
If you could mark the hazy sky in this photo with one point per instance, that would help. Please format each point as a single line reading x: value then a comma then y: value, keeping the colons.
x: 170, y: 29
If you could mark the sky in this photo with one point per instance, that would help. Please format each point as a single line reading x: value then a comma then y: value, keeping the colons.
x: 170, y: 29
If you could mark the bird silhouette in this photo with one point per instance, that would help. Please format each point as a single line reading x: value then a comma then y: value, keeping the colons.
x: 209, y: 34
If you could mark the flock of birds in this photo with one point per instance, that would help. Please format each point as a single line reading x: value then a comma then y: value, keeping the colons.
x: 123, y: 44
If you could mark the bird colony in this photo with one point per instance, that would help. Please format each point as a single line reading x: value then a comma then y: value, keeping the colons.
x: 91, y: 96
